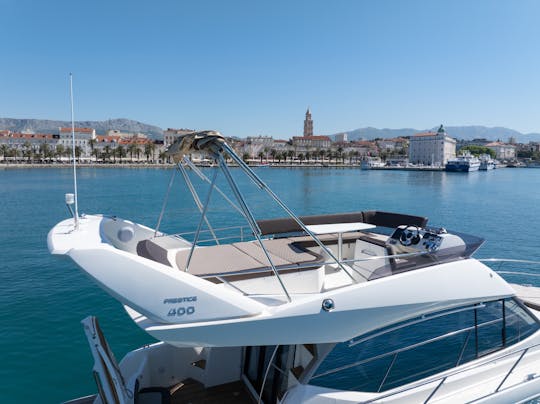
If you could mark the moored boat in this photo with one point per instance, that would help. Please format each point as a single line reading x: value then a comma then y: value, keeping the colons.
x: 466, y: 162
x: 487, y: 163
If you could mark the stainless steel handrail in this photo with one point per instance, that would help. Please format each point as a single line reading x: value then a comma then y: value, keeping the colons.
x: 457, y: 372
x: 502, y: 260
x: 241, y: 231
x: 395, y: 352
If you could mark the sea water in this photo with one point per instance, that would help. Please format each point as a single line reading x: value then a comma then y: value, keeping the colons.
x: 43, y: 351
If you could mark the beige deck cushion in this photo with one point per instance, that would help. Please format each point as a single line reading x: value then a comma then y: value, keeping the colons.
x: 216, y: 259
x: 253, y: 249
x: 239, y: 257
x: 286, y: 249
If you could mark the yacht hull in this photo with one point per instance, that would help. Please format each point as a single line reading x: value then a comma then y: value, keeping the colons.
x: 358, y: 309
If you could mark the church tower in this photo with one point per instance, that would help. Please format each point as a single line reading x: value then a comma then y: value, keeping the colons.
x: 308, y: 124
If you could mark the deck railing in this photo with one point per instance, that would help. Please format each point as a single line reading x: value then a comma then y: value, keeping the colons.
x: 441, y: 380
x: 500, y: 266
x: 228, y: 234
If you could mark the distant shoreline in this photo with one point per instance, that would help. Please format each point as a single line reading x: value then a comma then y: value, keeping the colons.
x: 161, y: 165
x: 7, y: 166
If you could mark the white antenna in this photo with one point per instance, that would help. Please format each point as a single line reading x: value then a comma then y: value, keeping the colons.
x: 76, y: 215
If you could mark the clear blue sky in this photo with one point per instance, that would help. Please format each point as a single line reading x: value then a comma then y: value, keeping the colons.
x: 252, y: 67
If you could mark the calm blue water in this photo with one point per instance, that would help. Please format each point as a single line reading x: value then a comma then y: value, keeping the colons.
x: 43, y: 351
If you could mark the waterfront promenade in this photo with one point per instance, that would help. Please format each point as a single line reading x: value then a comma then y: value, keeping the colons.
x: 253, y: 164
x: 205, y: 164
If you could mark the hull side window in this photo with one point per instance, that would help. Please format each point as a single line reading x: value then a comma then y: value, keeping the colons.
x: 421, y: 347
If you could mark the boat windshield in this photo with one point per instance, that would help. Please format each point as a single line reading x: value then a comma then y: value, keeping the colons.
x: 417, y: 348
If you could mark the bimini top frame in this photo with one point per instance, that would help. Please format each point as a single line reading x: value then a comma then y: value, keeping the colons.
x: 214, y: 145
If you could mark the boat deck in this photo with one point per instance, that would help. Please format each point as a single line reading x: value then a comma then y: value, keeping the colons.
x: 194, y: 392
x: 529, y: 295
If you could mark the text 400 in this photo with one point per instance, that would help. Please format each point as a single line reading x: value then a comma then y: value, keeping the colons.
x: 181, y: 311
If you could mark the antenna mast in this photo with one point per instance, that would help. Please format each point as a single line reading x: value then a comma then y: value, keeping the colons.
x: 76, y: 215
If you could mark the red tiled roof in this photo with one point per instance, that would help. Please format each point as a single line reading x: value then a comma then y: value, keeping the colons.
x: 100, y: 138
x: 78, y: 130
x: 396, y: 140
x: 365, y: 143
x: 31, y: 135
x: 138, y: 141
x: 498, y: 144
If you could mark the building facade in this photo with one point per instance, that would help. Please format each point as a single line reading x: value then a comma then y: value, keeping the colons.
x: 308, y: 142
x: 503, y: 151
x: 22, y: 142
x: 432, y: 148
x: 84, y: 139
x: 170, y: 135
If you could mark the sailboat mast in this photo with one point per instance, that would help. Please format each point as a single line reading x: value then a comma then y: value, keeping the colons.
x: 76, y: 216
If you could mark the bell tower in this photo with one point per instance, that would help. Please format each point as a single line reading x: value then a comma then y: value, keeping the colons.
x: 308, y: 124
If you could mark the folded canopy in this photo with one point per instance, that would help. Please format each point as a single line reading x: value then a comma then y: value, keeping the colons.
x: 209, y: 141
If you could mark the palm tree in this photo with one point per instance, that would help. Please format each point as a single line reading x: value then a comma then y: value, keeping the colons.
x: 4, y: 149
x: 28, y: 152
x: 45, y: 151
x: 149, y: 150
x: 68, y: 151
x: 60, y: 150
x: 106, y: 153
x: 273, y: 153
x: 340, y: 153
x: 291, y: 154
x: 78, y: 152
x: 329, y: 155
x: 121, y: 152
x: 260, y: 155
x: 132, y: 148
x: 138, y: 152
x: 95, y: 153
x: 92, y: 143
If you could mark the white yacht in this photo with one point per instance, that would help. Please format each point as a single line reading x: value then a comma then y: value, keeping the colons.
x: 487, y: 162
x: 369, y: 163
x: 353, y: 307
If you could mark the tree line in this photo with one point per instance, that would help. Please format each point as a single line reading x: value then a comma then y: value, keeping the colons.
x: 48, y: 153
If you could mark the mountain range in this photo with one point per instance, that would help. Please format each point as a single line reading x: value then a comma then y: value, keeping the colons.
x: 456, y: 132
x: 101, y: 127
x: 128, y: 125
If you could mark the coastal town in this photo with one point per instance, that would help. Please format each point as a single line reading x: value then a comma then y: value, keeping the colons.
x: 430, y: 150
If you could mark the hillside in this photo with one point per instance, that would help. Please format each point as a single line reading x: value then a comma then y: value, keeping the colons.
x: 49, y: 126
x: 457, y: 132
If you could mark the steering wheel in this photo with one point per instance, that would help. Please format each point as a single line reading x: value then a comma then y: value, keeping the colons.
x: 410, y: 235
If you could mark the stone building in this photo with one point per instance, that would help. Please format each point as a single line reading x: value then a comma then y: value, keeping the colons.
x: 83, y: 136
x: 503, y: 151
x: 170, y: 135
x: 432, y: 148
